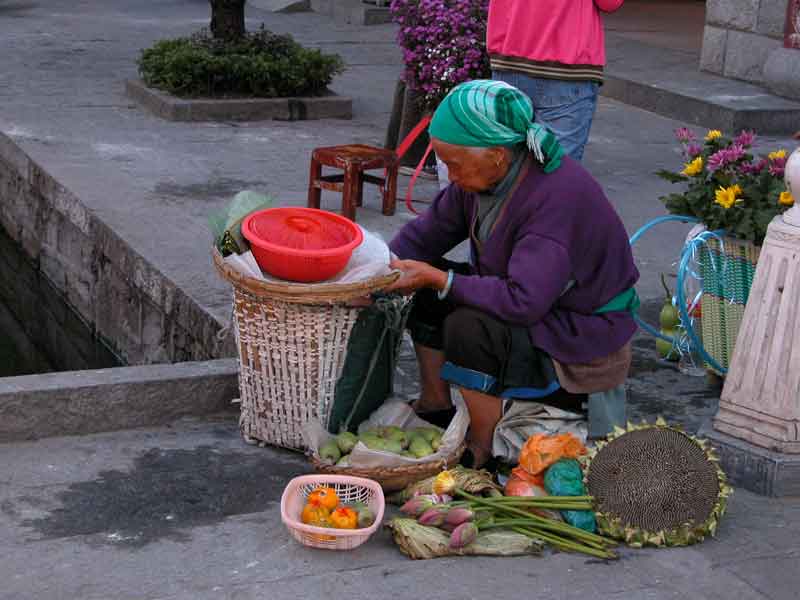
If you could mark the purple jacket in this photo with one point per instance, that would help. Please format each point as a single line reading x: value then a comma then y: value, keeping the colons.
x: 555, y: 229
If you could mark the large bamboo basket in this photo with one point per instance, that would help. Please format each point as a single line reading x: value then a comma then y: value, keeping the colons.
x: 727, y: 270
x: 292, y: 341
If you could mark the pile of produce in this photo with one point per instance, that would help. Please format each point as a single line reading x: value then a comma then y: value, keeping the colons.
x: 444, y: 510
x: 324, y: 509
x: 417, y: 442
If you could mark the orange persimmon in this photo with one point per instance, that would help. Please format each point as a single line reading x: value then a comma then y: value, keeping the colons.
x: 325, y: 496
x: 344, y: 518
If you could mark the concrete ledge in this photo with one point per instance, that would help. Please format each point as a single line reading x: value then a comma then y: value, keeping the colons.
x: 756, y: 469
x: 81, y: 402
x: 142, y: 313
x: 171, y: 108
x: 669, y: 83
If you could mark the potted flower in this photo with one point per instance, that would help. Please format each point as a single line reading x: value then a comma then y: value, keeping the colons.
x: 443, y: 44
x: 731, y: 190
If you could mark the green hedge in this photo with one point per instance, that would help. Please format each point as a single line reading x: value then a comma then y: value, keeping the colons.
x: 262, y: 65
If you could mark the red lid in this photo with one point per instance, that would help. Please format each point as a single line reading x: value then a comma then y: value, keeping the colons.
x: 302, y: 229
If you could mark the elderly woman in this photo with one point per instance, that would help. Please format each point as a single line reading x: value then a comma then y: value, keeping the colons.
x: 543, y: 310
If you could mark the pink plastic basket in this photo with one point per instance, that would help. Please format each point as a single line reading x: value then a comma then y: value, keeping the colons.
x: 349, y: 489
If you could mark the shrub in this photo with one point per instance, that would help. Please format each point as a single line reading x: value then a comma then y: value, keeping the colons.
x: 261, y: 64
x: 444, y: 44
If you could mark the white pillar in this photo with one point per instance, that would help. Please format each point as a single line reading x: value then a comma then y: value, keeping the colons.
x: 760, y: 402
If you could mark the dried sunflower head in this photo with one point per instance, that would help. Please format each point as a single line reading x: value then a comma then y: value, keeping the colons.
x: 656, y: 485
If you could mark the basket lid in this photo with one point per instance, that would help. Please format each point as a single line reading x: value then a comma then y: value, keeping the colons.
x: 304, y: 229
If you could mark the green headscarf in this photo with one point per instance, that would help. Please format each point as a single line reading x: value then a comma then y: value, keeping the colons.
x: 484, y: 114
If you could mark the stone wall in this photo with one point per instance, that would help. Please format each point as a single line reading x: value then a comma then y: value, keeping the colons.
x: 142, y: 314
x: 740, y: 35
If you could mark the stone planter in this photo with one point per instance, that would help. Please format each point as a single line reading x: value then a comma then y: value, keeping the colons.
x: 171, y: 108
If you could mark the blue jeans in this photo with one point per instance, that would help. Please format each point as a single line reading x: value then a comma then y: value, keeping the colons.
x: 566, y: 107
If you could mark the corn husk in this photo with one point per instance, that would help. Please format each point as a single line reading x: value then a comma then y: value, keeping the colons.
x: 421, y: 542
x: 468, y: 480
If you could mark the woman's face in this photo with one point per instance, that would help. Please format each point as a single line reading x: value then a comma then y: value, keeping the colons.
x: 473, y: 169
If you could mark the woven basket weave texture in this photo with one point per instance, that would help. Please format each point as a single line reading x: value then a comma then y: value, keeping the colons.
x: 727, y: 268
x: 292, y: 342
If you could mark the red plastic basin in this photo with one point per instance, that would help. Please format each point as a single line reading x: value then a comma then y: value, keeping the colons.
x: 301, y: 244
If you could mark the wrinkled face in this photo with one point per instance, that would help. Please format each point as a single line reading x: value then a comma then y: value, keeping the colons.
x: 473, y: 169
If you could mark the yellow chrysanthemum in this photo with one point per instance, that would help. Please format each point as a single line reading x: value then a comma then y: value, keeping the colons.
x: 786, y: 199
x: 778, y: 154
x: 693, y: 168
x: 713, y: 135
x: 726, y: 197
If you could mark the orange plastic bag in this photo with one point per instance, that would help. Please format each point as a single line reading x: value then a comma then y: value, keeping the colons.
x: 522, y: 483
x: 521, y: 476
x: 542, y: 450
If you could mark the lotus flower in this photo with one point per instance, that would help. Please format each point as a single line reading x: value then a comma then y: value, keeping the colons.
x: 445, y: 483
x: 418, y: 505
x: 463, y: 535
x: 457, y: 516
x: 433, y: 517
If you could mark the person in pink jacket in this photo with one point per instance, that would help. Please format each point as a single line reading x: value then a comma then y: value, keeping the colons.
x: 554, y: 51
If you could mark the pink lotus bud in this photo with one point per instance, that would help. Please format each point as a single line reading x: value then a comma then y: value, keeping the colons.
x: 433, y: 517
x: 463, y: 535
x: 457, y: 516
x: 418, y: 505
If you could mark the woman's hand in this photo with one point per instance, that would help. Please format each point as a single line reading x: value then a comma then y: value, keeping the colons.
x: 416, y: 275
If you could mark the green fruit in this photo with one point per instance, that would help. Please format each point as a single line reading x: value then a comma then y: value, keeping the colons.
x: 368, y: 437
x: 430, y: 433
x: 365, y: 517
x: 346, y: 442
x: 344, y: 461
x: 398, y: 436
x: 374, y: 443
x: 393, y: 446
x: 669, y: 317
x: 420, y: 448
x: 330, y: 451
x: 664, y: 348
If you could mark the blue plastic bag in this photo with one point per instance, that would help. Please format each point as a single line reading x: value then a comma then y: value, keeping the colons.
x: 565, y: 478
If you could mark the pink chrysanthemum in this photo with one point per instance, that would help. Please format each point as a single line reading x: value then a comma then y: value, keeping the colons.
x: 725, y: 157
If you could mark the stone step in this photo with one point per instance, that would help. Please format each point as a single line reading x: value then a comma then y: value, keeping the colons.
x: 355, y: 12
x: 668, y: 82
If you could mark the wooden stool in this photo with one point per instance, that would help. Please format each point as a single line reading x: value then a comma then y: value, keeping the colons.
x: 353, y: 159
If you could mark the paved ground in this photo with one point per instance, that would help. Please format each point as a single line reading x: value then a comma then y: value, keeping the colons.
x: 190, y: 511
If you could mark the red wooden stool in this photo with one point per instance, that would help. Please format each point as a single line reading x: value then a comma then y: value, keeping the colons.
x: 353, y: 159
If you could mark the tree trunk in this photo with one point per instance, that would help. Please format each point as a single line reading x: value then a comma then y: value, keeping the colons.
x: 227, y: 19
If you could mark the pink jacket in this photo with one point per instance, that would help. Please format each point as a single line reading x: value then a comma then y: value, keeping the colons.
x: 555, y: 39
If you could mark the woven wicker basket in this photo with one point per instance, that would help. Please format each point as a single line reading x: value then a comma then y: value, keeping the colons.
x: 292, y: 341
x: 394, y: 479
x: 727, y: 270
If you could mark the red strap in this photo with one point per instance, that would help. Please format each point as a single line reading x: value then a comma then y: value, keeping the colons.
x: 417, y: 171
x: 412, y: 136
x: 403, y: 148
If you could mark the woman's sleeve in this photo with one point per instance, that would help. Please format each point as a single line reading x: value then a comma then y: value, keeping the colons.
x: 608, y: 6
x: 440, y: 229
x: 538, y: 272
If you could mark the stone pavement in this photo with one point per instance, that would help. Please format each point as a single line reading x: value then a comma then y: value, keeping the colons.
x: 189, y: 512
